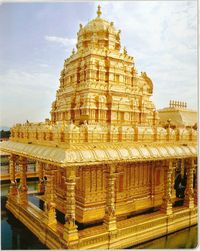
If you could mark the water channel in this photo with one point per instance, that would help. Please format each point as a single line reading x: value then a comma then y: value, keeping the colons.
x: 14, y: 235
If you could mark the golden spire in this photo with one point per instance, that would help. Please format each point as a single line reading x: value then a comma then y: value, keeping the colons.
x: 99, y: 11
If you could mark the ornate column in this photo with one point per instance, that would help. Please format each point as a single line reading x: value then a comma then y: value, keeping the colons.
x: 49, y: 205
x: 39, y: 170
x: 110, y: 217
x: 189, y: 192
x: 167, y: 202
x: 152, y: 179
x: 173, y: 179
x: 196, y: 187
x: 70, y: 228
x: 182, y: 168
x: 23, y: 188
x: 12, y: 172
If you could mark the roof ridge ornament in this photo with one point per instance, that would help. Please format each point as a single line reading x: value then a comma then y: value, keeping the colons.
x: 99, y: 11
x: 125, y: 50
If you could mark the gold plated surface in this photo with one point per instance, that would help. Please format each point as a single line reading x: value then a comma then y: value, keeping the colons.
x: 98, y: 153
x: 178, y: 114
x: 105, y: 157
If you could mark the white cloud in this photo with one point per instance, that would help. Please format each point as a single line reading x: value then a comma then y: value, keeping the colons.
x: 26, y: 95
x: 64, y: 41
x: 162, y: 37
x: 44, y: 65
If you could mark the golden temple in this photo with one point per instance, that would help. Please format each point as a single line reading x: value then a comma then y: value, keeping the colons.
x: 110, y: 166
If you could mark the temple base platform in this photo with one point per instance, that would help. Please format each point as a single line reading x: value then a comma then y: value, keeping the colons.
x: 129, y: 232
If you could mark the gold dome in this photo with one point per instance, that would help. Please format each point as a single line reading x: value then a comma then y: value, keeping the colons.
x: 99, y: 24
x: 99, y: 33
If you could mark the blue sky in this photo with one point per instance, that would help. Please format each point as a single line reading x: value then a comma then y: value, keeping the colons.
x: 35, y: 38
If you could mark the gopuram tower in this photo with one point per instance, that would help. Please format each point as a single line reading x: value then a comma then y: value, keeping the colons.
x: 99, y: 84
x: 107, y: 170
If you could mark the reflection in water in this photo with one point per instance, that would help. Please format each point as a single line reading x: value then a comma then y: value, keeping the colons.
x: 14, y: 235
x: 32, y: 186
x: 186, y: 238
x: 36, y: 201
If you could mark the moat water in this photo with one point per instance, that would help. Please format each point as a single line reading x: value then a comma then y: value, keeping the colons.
x: 14, y: 235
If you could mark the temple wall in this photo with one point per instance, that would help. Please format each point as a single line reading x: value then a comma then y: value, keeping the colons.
x: 138, y: 186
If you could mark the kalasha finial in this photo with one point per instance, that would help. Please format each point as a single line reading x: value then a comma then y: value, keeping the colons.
x: 99, y: 11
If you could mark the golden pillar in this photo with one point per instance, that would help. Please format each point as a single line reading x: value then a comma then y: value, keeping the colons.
x: 173, y: 179
x: 49, y: 205
x: 167, y: 201
x: 23, y: 188
x: 70, y: 228
x: 196, y: 187
x: 110, y: 217
x: 12, y: 172
x: 189, y: 191
x: 182, y: 168
x: 152, y: 166
x: 39, y: 170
